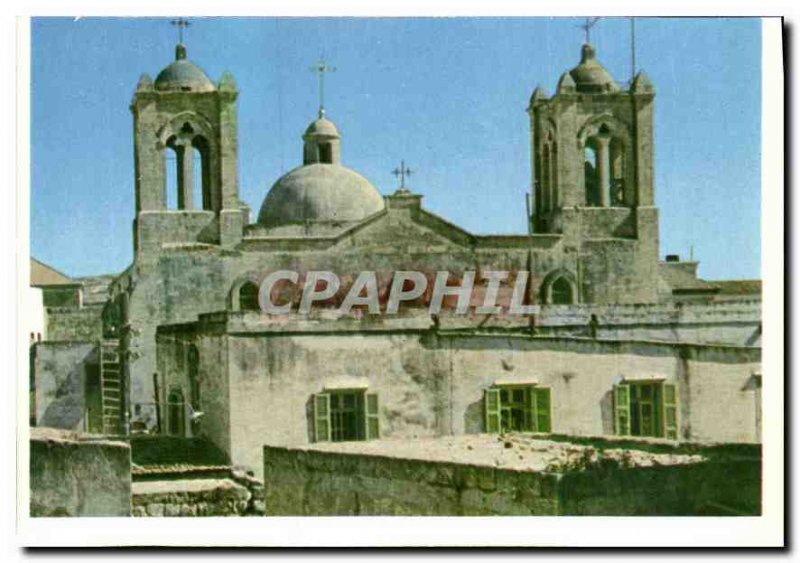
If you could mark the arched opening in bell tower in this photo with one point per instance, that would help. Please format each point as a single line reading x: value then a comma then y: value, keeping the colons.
x: 617, y: 167
x: 187, y: 171
x: 170, y: 159
x: 325, y: 153
x: 591, y: 180
x: 202, y: 174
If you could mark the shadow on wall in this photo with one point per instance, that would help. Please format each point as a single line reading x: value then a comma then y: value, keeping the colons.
x: 310, y: 419
x: 607, y: 413
x: 66, y: 408
x: 473, y: 418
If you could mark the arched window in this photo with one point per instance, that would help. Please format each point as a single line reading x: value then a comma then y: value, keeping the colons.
x: 170, y: 156
x: 187, y: 170
x: 202, y: 174
x: 248, y: 297
x: 176, y: 413
x: 546, y: 203
x: 554, y: 199
x: 561, y: 292
x: 590, y: 175
x: 192, y: 369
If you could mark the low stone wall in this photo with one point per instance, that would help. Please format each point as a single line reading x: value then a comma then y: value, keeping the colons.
x: 314, y: 483
x: 306, y: 482
x: 190, y: 497
x: 71, y: 475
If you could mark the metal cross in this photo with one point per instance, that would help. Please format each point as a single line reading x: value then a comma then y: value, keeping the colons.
x: 401, y: 173
x: 181, y: 24
x: 587, y: 27
x: 321, y: 68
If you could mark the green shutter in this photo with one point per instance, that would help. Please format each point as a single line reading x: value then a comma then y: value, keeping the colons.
x: 371, y: 417
x: 670, y: 405
x: 622, y: 409
x: 531, y: 423
x: 542, y: 401
x: 322, y: 417
x: 491, y: 402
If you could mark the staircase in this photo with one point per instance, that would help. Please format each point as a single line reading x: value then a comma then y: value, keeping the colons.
x: 111, y: 386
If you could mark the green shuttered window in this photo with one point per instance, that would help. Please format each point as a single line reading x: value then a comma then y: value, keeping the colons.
x: 646, y: 408
x: 346, y: 415
x: 517, y: 408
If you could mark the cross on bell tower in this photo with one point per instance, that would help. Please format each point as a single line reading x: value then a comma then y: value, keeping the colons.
x: 587, y: 26
x: 181, y: 24
x: 321, y: 67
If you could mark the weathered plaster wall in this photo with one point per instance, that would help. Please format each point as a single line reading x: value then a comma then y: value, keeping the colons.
x: 71, y: 476
x: 59, y: 380
x: 432, y: 384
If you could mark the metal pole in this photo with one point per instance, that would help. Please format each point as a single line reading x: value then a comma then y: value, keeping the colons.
x: 633, y: 49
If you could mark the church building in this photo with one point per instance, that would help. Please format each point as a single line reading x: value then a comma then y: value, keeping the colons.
x: 621, y: 343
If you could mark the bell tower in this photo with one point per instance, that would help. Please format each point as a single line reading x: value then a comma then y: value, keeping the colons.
x: 591, y: 145
x: 592, y: 178
x: 185, y: 140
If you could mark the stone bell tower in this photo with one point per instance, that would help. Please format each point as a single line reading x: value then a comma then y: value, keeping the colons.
x: 185, y: 126
x: 592, y: 144
x: 592, y: 163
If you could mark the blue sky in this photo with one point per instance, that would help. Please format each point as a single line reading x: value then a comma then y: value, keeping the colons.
x: 447, y: 95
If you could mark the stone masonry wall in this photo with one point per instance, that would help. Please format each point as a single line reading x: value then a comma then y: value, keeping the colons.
x: 325, y: 484
x: 74, y: 324
x: 72, y: 476
x: 315, y: 483
x: 190, y: 497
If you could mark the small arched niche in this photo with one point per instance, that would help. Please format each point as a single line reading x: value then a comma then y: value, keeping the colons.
x: 248, y: 297
x: 176, y: 413
x: 559, y: 288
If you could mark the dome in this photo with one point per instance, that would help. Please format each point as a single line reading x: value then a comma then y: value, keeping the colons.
x: 590, y: 76
x: 183, y: 76
x: 322, y: 127
x: 319, y: 193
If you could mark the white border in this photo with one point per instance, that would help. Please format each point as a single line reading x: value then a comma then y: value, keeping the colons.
x: 505, y: 531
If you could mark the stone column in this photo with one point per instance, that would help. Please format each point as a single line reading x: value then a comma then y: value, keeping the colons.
x: 603, y: 171
x: 185, y: 170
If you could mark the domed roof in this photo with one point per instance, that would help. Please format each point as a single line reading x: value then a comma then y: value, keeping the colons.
x: 183, y: 76
x: 322, y: 127
x: 319, y: 193
x: 590, y: 76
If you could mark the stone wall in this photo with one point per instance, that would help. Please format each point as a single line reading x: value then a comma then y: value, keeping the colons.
x: 325, y: 483
x: 190, y: 497
x: 309, y: 483
x: 75, y: 324
x: 73, y: 476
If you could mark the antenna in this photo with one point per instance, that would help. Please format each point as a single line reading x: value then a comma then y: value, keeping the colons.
x: 633, y: 49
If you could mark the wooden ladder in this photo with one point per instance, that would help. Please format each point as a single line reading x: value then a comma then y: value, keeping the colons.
x: 111, y: 386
